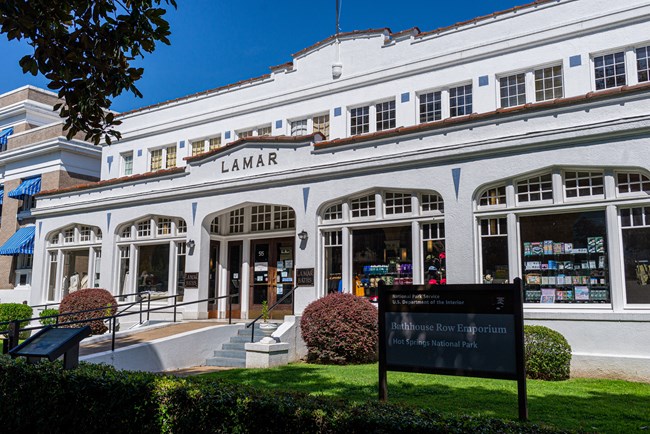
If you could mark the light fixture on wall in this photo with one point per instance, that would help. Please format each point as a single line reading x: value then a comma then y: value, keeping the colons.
x: 191, y: 244
x: 303, y: 235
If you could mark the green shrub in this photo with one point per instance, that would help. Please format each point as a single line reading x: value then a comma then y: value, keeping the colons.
x: 86, y: 299
x: 48, y: 312
x: 97, y: 398
x: 12, y: 312
x: 548, y: 354
x: 340, y: 329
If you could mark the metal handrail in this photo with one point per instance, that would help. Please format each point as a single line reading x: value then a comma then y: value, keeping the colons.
x: 284, y: 297
x: 56, y: 303
x: 14, y: 326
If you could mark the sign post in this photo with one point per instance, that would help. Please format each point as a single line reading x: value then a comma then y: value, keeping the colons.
x: 465, y: 330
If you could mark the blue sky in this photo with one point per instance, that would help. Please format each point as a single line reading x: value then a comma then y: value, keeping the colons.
x: 217, y: 42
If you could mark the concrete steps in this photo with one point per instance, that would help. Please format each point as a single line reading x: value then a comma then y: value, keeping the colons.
x: 233, y: 354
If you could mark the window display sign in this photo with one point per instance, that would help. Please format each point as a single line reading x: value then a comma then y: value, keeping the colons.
x: 466, y: 330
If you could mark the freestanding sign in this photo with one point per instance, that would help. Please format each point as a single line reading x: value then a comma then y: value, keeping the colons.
x: 467, y: 330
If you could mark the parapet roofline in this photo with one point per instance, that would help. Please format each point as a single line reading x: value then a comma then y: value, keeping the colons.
x: 345, y: 35
x: 320, y: 144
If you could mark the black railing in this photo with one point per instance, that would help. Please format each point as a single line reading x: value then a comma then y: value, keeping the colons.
x: 284, y: 297
x: 14, y: 329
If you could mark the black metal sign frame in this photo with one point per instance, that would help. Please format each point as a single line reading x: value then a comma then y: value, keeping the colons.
x: 463, y: 330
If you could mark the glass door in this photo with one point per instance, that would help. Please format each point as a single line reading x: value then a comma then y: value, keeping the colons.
x: 272, y: 275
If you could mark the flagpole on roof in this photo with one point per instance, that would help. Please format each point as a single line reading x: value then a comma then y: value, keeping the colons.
x: 337, y: 66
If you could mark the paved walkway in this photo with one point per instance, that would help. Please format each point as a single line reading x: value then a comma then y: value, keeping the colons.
x: 135, y: 337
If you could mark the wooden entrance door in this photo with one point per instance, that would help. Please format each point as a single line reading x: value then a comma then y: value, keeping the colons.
x: 272, y: 275
x: 234, y: 276
x: 213, y: 289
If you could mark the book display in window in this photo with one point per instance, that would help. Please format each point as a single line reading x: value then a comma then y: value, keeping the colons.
x: 560, y: 272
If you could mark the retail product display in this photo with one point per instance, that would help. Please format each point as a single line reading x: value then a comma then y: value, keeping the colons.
x: 394, y: 273
x: 559, y: 272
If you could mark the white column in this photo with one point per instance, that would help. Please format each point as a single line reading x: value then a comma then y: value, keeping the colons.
x: 630, y: 66
x: 245, y: 278
x: 615, y: 259
x: 223, y: 277
x: 346, y: 258
x: 416, y: 253
x: 514, y: 267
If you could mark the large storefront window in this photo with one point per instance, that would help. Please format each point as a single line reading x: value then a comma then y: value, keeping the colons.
x: 565, y: 258
x: 153, y: 268
x: 494, y: 250
x: 433, y: 246
x: 381, y: 257
x: 75, y: 270
x: 125, y: 264
x: 635, y: 223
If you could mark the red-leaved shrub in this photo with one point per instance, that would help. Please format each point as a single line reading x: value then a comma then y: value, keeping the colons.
x: 340, y: 329
x: 85, y: 299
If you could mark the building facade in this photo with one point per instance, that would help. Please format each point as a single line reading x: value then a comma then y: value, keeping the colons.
x: 34, y: 155
x: 508, y: 146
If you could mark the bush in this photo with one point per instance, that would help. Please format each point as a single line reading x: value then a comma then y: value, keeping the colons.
x: 97, y: 398
x: 14, y: 311
x: 548, y: 354
x: 340, y: 329
x: 48, y: 312
x: 85, y: 299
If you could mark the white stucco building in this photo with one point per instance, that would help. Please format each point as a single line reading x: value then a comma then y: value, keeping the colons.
x: 513, y: 145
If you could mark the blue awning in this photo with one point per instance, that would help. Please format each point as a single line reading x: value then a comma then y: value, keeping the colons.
x: 20, y: 242
x: 28, y: 187
x: 4, y: 134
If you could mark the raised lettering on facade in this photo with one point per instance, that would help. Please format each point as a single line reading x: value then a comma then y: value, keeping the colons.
x: 248, y: 162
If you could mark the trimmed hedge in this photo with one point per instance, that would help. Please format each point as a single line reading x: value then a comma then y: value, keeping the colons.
x: 97, y: 398
x: 48, y: 312
x: 86, y: 299
x: 547, y: 353
x: 340, y: 329
x: 14, y: 311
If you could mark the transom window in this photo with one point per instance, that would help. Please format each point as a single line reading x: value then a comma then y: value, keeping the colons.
x: 635, y: 217
x: 493, y: 196
x: 334, y: 212
x: 333, y: 238
x: 583, y: 184
x: 359, y: 120
x: 385, y: 115
x: 68, y: 235
x: 363, y: 206
x: 432, y: 202
x: 460, y: 100
x: 236, y: 218
x: 430, y: 107
x: 84, y: 233
x: 632, y: 183
x: 153, y: 227
x: 548, y: 83
x: 535, y: 189
x: 513, y: 90
x: 494, y: 227
x: 214, y: 226
x: 283, y: 218
x: 144, y: 228
x: 75, y: 235
x: 398, y: 203
x: 433, y: 231
x: 181, y: 226
x: 126, y: 232
x: 609, y: 70
x: 299, y: 127
x: 261, y: 218
x: 164, y: 226
x: 642, y: 65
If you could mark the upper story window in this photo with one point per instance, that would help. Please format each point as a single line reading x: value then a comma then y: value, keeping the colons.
x: 264, y: 130
x: 609, y: 70
x: 493, y: 196
x: 583, y: 184
x: 535, y: 189
x: 163, y: 158
x: 513, y: 90
x: 397, y: 203
x: 642, y: 64
x: 127, y: 164
x: 385, y: 115
x: 359, y: 120
x: 548, y: 83
x: 632, y: 183
x: 430, y: 107
x: 322, y: 125
x: 245, y: 134
x: 198, y: 147
x: 334, y: 212
x: 460, y: 100
x: 214, y: 143
x: 299, y: 127
x: 363, y: 206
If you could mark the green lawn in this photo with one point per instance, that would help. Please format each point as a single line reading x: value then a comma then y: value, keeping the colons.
x: 603, y: 406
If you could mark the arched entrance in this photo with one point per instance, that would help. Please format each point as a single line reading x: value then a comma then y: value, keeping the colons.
x: 252, y: 256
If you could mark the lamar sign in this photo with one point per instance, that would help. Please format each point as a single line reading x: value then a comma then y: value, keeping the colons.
x: 468, y: 330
